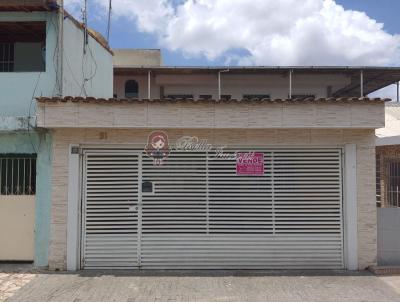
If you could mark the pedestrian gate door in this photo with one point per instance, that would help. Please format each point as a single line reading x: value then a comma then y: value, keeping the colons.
x: 194, y: 211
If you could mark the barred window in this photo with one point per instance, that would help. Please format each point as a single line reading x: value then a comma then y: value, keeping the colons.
x: 17, y: 174
x: 131, y: 89
x: 180, y: 96
x: 302, y: 96
x: 6, y: 57
x: 378, y: 180
x: 393, y: 184
x: 226, y: 96
x: 256, y: 96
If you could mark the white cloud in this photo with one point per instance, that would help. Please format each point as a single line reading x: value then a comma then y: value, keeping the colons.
x: 284, y: 32
x: 74, y: 7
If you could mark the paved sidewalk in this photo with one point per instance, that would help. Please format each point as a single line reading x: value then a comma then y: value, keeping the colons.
x: 206, y: 286
x: 12, y: 278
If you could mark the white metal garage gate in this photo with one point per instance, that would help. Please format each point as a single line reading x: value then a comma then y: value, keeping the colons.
x: 200, y: 214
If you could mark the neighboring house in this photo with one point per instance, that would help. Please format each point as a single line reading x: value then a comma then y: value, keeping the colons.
x: 388, y: 186
x: 42, y: 53
x: 300, y: 192
x: 128, y: 58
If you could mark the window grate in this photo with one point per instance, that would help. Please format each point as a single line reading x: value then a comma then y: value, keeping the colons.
x: 256, y: 96
x: 378, y: 180
x: 180, y: 96
x: 131, y: 89
x: 302, y: 96
x: 6, y: 57
x: 17, y: 175
x: 393, y: 184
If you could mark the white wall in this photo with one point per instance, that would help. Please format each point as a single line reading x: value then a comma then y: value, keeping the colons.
x: 95, y: 65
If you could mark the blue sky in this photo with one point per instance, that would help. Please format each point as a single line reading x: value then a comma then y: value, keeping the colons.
x: 384, y: 11
x: 127, y: 32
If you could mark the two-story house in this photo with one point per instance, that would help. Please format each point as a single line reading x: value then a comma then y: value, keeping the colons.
x: 43, y: 52
x: 217, y: 168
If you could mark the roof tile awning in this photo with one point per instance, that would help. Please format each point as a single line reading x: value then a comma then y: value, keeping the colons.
x: 338, y: 113
x: 170, y: 100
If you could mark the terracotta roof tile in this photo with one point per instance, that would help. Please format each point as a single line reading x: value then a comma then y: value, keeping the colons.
x: 168, y: 100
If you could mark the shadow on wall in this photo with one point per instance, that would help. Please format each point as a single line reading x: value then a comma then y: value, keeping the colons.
x: 388, y: 236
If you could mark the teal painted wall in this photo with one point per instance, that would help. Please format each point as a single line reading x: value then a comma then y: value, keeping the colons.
x: 19, y: 88
x: 89, y: 74
x: 39, y: 143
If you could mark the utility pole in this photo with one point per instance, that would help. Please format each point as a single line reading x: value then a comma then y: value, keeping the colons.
x: 85, y: 28
x: 109, y: 22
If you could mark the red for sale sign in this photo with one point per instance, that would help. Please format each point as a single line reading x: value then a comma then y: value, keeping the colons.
x: 250, y: 163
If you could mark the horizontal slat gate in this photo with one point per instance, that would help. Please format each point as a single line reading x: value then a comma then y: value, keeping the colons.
x: 202, y: 215
x: 111, y: 217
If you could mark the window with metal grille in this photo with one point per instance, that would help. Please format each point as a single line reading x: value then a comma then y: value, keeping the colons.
x: 17, y: 175
x: 256, y: 96
x: 378, y: 180
x: 226, y: 96
x: 180, y: 96
x: 6, y: 57
x: 302, y: 96
x: 22, y: 46
x: 205, y: 96
x: 393, y: 184
x: 131, y: 89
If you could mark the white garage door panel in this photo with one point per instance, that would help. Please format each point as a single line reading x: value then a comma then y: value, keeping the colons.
x: 111, y: 220
x: 203, y: 215
x: 241, y: 252
x: 288, y: 218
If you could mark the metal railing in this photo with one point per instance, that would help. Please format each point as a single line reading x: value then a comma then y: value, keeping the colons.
x: 6, y: 57
x: 393, y: 184
x: 18, y: 175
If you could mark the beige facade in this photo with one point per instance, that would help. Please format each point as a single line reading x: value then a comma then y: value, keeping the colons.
x: 17, y: 225
x: 136, y: 57
x: 232, y: 115
x: 363, y: 138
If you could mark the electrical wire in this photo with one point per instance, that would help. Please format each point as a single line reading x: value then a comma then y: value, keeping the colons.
x: 29, y: 114
x: 29, y: 126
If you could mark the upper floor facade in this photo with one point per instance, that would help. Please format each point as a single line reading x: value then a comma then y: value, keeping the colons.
x: 159, y: 82
x: 44, y: 51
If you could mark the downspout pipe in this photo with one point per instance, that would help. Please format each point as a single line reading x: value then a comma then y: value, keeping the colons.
x: 149, y: 84
x: 219, y: 81
x: 290, y: 83
x: 361, y: 83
